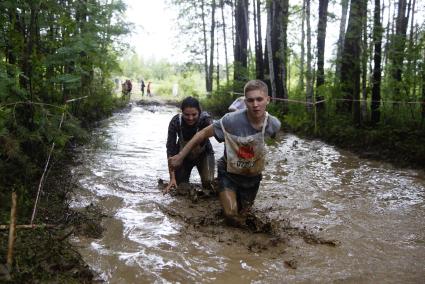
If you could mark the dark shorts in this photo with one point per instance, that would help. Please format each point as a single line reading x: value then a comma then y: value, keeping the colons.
x: 245, y: 187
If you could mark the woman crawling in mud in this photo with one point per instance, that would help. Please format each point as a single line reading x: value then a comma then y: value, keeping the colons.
x: 181, y: 129
x: 240, y: 169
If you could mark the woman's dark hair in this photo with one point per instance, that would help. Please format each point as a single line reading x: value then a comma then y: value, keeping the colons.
x: 190, y: 102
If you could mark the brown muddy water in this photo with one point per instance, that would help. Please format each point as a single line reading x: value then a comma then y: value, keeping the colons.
x: 321, y: 215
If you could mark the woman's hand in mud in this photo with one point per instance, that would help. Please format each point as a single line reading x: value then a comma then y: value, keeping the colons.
x: 175, y: 161
x: 171, y: 185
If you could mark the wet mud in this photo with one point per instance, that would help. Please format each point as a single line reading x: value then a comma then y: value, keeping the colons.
x: 203, y: 220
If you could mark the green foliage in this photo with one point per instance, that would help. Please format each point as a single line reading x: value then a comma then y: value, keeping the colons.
x: 64, y: 52
x: 219, y: 101
x: 136, y: 68
x: 99, y: 105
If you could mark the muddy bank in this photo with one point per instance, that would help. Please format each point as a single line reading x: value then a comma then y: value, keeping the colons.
x: 157, y: 101
x: 44, y: 254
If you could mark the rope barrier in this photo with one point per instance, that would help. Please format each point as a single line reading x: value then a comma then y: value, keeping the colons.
x: 30, y: 103
x: 350, y: 100
x: 298, y: 101
x: 374, y: 101
x: 42, y: 104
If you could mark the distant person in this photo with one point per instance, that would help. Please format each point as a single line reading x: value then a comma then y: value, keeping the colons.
x: 181, y: 129
x: 142, y: 87
x: 240, y: 169
x: 175, y: 89
x: 238, y: 104
x: 149, y: 89
x: 126, y: 88
x: 129, y: 86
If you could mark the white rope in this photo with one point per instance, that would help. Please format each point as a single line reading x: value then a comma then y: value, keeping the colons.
x: 348, y: 100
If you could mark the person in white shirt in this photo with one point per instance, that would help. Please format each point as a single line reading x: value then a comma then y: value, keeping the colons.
x: 238, y: 104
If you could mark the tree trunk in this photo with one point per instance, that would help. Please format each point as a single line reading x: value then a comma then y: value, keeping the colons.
x: 321, y: 37
x: 225, y: 41
x: 387, y: 36
x: 259, y: 64
x: 309, y: 77
x: 423, y: 84
x: 278, y: 48
x: 204, y: 31
x: 302, y: 57
x: 396, y: 54
x: 232, y: 5
x: 364, y: 64
x: 218, y: 67
x: 350, y: 66
x: 211, y: 64
x: 284, y: 48
x: 31, y: 51
x: 411, y: 54
x: 340, y: 43
x: 270, y: 53
x: 376, y: 83
x: 417, y: 56
x: 241, y: 45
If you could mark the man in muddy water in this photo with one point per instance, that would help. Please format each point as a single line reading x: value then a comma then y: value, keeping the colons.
x: 240, y: 169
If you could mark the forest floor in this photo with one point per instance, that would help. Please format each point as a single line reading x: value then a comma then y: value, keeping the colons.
x: 44, y: 254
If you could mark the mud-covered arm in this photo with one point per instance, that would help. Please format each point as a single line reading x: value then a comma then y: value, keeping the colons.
x: 172, y: 149
x: 173, y: 182
x: 202, y: 135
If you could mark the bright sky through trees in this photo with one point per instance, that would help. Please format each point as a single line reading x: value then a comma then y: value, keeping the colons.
x: 154, y: 32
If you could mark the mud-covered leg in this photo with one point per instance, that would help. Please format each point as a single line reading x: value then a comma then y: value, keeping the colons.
x: 206, y: 171
x: 229, y: 203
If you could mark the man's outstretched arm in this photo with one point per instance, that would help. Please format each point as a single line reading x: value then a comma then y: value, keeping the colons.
x: 204, y: 134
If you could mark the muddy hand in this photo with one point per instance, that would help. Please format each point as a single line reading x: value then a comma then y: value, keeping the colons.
x: 175, y: 161
x: 171, y: 185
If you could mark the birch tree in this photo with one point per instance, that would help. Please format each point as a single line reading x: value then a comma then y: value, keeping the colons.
x: 224, y: 40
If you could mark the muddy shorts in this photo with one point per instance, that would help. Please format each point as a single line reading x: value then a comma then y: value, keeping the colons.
x: 245, y: 187
x: 205, y: 165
